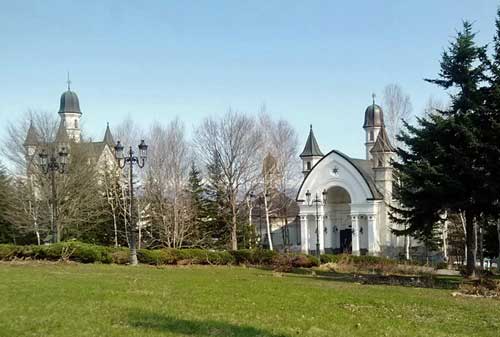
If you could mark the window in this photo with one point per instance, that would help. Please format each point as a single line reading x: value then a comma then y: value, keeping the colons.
x: 308, y: 165
x: 76, y: 123
x: 371, y: 135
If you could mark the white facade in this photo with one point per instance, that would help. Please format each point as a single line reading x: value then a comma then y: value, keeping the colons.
x: 354, y: 217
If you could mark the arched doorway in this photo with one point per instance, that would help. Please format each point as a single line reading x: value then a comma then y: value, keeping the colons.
x: 338, y: 229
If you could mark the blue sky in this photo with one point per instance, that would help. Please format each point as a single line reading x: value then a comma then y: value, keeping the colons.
x: 309, y: 61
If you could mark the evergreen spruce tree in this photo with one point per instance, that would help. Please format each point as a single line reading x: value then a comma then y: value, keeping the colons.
x: 441, y: 168
x: 200, y: 216
x: 218, y: 209
x: 7, y: 230
x: 489, y: 123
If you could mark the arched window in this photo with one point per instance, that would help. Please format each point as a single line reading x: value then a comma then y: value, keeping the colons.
x: 76, y: 123
x: 308, y: 165
x: 371, y: 135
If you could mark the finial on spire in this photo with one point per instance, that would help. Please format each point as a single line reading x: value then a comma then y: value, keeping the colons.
x: 373, y: 98
x: 69, y: 82
x: 310, y: 126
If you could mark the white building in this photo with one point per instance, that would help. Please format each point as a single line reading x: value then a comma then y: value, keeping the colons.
x: 355, y: 216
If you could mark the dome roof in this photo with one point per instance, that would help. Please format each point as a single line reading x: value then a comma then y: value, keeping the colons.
x: 69, y: 103
x: 374, y: 116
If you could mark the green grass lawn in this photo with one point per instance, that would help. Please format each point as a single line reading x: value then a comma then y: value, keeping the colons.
x: 110, y: 300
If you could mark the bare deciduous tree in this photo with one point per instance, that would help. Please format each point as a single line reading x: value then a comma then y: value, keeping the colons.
x: 281, y: 169
x: 397, y: 107
x: 234, y: 142
x: 166, y: 180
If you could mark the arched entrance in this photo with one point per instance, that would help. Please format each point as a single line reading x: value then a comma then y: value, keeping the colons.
x: 338, y: 229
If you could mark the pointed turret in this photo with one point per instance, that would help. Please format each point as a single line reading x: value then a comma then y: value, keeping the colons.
x: 32, y: 138
x: 382, y: 152
x: 62, y: 134
x: 108, y: 137
x: 382, y: 144
x: 311, y: 154
x: 312, y: 148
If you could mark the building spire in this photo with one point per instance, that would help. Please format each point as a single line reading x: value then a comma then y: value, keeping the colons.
x: 69, y: 83
x: 373, y: 98
x: 311, y: 149
x: 108, y: 137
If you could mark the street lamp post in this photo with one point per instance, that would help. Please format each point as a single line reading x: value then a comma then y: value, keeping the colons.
x: 317, y: 201
x: 53, y: 165
x: 122, y: 162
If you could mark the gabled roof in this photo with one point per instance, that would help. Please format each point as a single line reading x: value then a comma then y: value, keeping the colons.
x: 32, y: 136
x: 108, y: 137
x: 382, y: 144
x: 362, y: 166
x: 62, y: 135
x: 312, y: 148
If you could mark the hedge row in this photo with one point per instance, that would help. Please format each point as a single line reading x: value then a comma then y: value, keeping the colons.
x: 364, y: 260
x: 87, y: 253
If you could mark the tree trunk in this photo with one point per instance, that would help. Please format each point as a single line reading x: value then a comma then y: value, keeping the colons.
x: 462, y: 219
x: 115, y: 229
x: 480, y: 247
x: 250, y: 225
x: 268, y: 224
x: 470, y: 244
x: 234, y: 231
x: 498, y: 234
x: 445, y: 241
x: 37, y: 236
x: 407, y: 247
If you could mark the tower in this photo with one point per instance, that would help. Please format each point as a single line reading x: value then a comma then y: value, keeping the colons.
x: 311, y: 154
x: 108, y: 137
x: 31, y: 142
x: 382, y: 152
x: 374, y: 122
x: 69, y: 110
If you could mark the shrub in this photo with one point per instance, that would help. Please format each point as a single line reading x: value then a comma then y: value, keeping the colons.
x: 282, y: 263
x: 7, y: 252
x: 169, y: 256
x: 147, y: 256
x: 86, y: 253
x: 220, y: 258
x: 329, y: 258
x: 200, y: 256
x: 53, y: 252
x: 262, y: 257
x: 286, y: 262
x: 120, y: 256
x: 442, y: 265
x: 242, y: 256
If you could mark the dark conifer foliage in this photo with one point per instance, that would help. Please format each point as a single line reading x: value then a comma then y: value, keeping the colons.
x: 7, y: 230
x: 442, y: 168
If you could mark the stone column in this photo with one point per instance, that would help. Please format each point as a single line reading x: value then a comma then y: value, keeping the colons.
x: 355, y: 234
x: 321, y: 229
x: 304, y: 231
x: 373, y: 240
